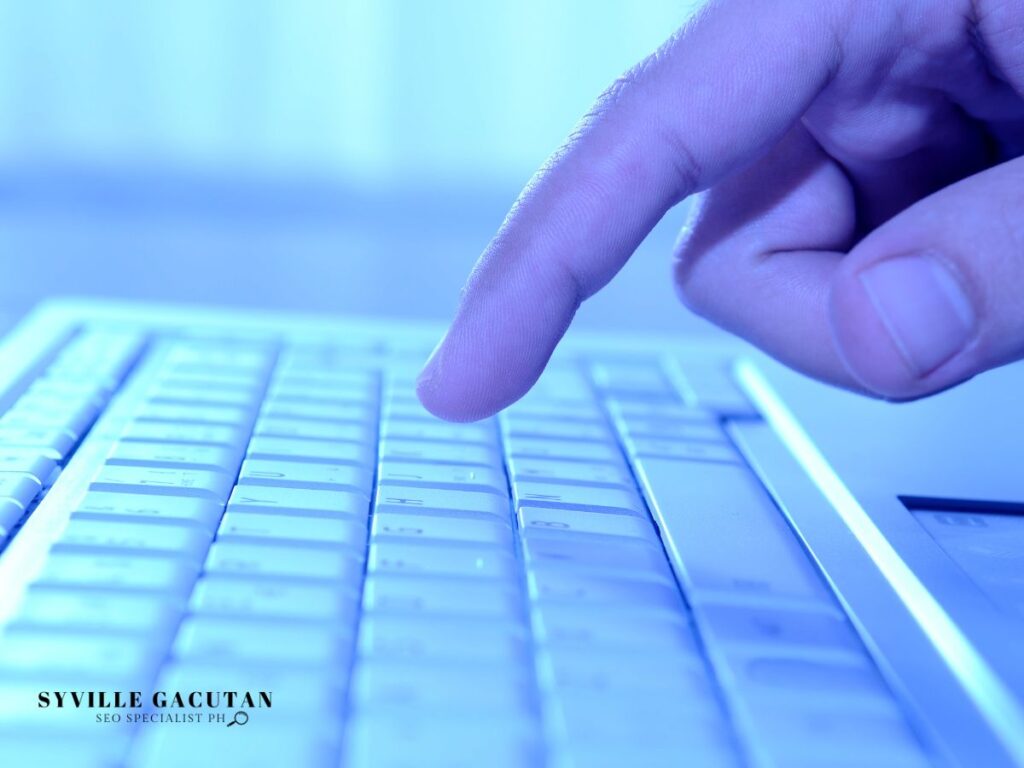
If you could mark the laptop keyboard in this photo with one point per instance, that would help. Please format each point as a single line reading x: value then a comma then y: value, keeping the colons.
x: 269, y: 515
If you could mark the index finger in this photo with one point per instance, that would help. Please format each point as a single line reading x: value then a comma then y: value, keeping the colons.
x: 715, y: 96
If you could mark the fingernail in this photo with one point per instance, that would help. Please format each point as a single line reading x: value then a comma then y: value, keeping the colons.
x: 924, y: 308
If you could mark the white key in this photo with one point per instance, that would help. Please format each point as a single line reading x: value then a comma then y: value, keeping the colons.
x: 288, y: 449
x: 164, y: 481
x: 208, y: 457
x: 235, y: 640
x: 570, y: 588
x: 632, y: 558
x: 318, y: 412
x: 244, y: 559
x: 173, y: 575
x: 181, y: 540
x: 437, y: 453
x: 440, y: 688
x: 131, y: 506
x: 194, y: 414
x: 21, y: 487
x: 55, y: 442
x: 658, y: 448
x: 309, y: 475
x: 438, y: 560
x: 435, y: 528
x: 462, y: 640
x: 89, y: 609
x: 567, y: 450
x: 593, y: 629
x: 275, y: 599
x: 287, y: 529
x: 29, y: 461
x: 579, y: 497
x: 298, y: 501
x: 614, y: 474
x: 399, y: 429
x: 406, y: 500
x: 572, y: 521
x: 312, y: 430
x: 427, y: 596
x: 109, y: 657
x: 672, y: 429
x: 170, y: 432
x: 446, y: 476
x: 554, y: 428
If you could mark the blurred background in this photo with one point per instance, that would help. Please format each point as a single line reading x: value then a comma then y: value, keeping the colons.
x: 335, y: 155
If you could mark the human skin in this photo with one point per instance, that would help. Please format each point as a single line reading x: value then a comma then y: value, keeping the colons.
x: 859, y: 211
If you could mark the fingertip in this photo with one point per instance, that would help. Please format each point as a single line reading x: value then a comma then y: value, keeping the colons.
x: 901, y: 324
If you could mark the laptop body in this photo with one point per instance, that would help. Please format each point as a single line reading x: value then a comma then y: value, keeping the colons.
x: 236, y: 539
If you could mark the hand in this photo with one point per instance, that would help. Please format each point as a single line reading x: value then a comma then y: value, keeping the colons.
x: 860, y: 218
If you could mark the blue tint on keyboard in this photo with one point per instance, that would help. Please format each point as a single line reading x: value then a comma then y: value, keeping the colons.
x: 288, y: 518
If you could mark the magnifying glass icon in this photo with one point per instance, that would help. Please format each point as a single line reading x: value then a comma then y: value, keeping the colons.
x: 240, y: 718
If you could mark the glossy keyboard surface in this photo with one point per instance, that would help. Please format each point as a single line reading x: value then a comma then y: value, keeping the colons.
x: 592, y: 578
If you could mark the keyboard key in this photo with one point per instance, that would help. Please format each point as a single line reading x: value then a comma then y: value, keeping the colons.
x: 270, y: 642
x: 443, y: 476
x: 295, y: 691
x: 426, y: 596
x: 11, y: 513
x: 266, y: 743
x: 119, y: 571
x: 658, y: 410
x: 381, y: 740
x: 165, y: 392
x: 688, y: 450
x: 554, y: 428
x: 563, y: 450
x: 438, y: 560
x: 621, y: 557
x: 672, y: 429
x: 726, y: 535
x: 216, y: 458
x: 635, y: 380
x: 62, y: 609
x: 414, y: 639
x: 74, y: 415
x: 244, y: 559
x: 136, y: 506
x: 578, y: 497
x: 298, y: 501
x: 25, y: 652
x: 621, y: 675
x: 573, y: 588
x: 55, y: 442
x: 434, y: 528
x: 572, y: 521
x: 435, y: 688
x: 709, y: 384
x: 161, y: 481
x: 610, y: 475
x: 83, y: 751
x: 224, y: 415
x: 312, y: 430
x: 809, y: 734
x: 773, y: 627
x: 21, y: 487
x: 171, y: 432
x: 406, y: 500
x: 782, y: 673
x: 580, y: 411
x: 594, y: 629
x: 436, y: 453
x: 308, y: 475
x: 275, y: 599
x: 318, y: 412
x: 184, y: 541
x: 329, y: 531
x: 317, y: 451
x: 440, y: 431
x: 27, y: 461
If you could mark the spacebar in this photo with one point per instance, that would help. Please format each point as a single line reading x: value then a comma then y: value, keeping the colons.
x: 726, y: 538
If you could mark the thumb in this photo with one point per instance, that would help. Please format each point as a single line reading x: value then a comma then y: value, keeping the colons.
x: 936, y: 294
